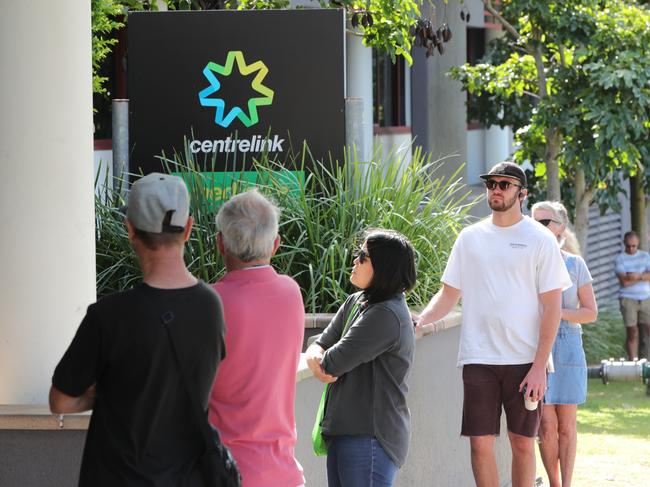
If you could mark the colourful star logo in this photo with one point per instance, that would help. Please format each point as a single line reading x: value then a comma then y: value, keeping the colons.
x: 221, y: 117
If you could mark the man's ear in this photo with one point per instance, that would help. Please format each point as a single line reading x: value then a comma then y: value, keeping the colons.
x: 188, y: 229
x: 220, y: 246
x: 276, y: 245
x: 130, y: 230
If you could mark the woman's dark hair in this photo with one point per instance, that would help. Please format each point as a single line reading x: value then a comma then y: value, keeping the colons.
x: 393, y: 264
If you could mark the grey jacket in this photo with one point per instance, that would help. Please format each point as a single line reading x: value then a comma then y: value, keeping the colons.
x: 372, y: 362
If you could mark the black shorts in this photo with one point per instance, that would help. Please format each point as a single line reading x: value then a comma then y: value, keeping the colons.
x: 489, y: 387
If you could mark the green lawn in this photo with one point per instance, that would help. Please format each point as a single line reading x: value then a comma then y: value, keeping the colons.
x: 613, y: 437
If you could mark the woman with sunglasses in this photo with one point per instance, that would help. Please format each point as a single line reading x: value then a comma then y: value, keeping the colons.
x: 366, y: 353
x: 567, y: 386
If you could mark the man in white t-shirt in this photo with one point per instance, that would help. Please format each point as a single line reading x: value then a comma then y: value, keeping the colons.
x: 509, y: 272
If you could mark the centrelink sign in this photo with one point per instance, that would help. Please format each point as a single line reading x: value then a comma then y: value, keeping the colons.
x: 228, y: 86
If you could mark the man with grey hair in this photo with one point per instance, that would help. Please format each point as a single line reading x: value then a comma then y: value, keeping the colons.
x: 124, y: 360
x: 252, y: 400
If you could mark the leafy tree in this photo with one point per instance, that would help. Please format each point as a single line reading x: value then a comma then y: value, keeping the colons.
x: 387, y: 25
x: 210, y: 4
x: 614, y: 89
x: 572, y: 80
x: 262, y: 4
x: 103, y: 21
x: 107, y: 16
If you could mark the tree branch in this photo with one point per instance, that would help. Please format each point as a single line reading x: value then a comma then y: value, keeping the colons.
x: 539, y: 63
x: 531, y: 94
x: 560, y: 49
x: 507, y: 25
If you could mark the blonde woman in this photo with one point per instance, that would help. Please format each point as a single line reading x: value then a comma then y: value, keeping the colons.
x: 567, y: 386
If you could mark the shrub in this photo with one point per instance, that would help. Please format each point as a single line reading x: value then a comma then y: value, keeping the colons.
x: 322, y: 222
x: 605, y: 338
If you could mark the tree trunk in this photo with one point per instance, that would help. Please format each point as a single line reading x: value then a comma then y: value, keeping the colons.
x: 553, y: 136
x: 638, y: 209
x: 553, y: 146
x: 583, y: 198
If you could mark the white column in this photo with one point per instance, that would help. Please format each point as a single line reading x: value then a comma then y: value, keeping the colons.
x: 498, y: 145
x: 358, y: 65
x: 47, y: 258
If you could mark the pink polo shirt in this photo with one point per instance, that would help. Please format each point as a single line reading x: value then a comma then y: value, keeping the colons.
x: 252, y: 400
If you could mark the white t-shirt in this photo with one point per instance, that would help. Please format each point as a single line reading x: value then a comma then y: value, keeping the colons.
x: 500, y: 272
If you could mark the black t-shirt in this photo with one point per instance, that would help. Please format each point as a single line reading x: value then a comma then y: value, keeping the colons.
x: 143, y: 431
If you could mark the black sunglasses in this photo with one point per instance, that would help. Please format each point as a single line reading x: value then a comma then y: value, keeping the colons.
x: 503, y: 185
x: 546, y: 221
x: 362, y: 255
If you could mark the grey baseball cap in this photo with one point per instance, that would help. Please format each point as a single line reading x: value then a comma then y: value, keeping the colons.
x: 158, y: 203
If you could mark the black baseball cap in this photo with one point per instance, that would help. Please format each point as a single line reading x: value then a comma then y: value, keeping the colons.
x: 507, y: 170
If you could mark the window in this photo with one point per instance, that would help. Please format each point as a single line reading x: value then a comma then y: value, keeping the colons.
x: 391, y: 89
x: 475, y: 51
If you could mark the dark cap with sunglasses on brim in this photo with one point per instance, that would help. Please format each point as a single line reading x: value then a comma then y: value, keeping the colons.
x: 507, y: 170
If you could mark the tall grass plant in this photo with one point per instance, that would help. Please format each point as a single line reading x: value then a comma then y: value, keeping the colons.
x: 323, y: 220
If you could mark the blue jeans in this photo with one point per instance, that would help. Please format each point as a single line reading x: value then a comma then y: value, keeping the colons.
x: 358, y: 461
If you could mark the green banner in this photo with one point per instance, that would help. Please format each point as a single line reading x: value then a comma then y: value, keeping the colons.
x: 218, y: 187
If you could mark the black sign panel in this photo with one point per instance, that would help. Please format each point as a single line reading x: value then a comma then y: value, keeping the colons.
x: 235, y: 84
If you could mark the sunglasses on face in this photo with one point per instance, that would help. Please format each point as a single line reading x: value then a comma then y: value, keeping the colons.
x: 546, y: 221
x: 631, y: 246
x: 503, y: 185
x: 362, y: 255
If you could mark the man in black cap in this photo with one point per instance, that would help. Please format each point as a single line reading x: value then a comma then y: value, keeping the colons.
x: 509, y: 272
x: 143, y: 430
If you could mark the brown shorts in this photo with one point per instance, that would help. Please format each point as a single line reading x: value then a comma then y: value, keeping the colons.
x: 486, y: 389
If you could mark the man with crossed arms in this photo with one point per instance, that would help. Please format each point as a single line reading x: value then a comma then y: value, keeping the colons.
x: 509, y: 272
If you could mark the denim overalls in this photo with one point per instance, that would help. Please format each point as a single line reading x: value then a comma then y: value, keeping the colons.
x: 568, y: 384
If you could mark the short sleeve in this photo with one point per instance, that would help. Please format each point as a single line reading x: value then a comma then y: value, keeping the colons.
x: 551, y: 269
x: 452, y: 274
x: 618, y: 265
x: 81, y: 364
x: 582, y: 272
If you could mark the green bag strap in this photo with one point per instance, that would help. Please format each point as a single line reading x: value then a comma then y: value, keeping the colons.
x: 318, y: 444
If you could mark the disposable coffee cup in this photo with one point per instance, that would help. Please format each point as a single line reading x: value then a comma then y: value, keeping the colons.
x: 529, y: 403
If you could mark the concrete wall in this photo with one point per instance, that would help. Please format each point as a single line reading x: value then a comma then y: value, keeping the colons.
x: 40, y: 458
x: 439, y: 121
x: 394, y: 143
x: 438, y: 104
x: 103, y: 166
x: 438, y: 455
